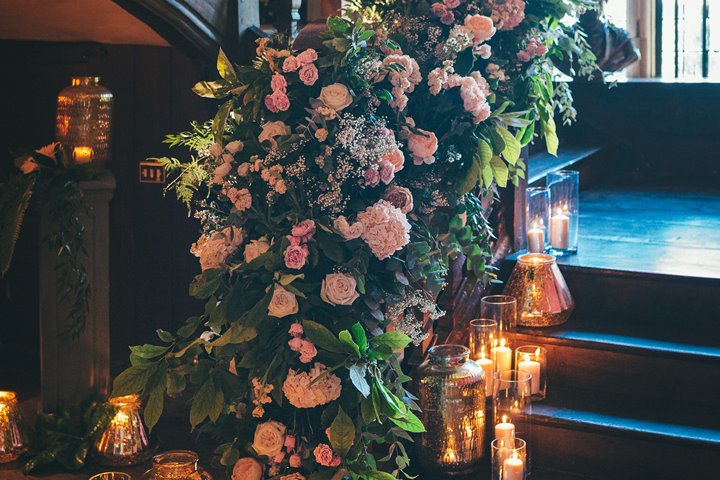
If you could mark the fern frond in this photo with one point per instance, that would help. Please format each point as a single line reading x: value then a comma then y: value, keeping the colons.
x: 13, y: 205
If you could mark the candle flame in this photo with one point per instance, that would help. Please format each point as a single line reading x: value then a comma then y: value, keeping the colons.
x: 504, y: 419
x: 534, y: 225
x: 482, y: 352
x: 502, y: 342
x: 537, y: 353
x: 526, y: 357
x: 559, y: 211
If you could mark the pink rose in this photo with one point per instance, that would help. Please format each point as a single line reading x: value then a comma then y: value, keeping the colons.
x: 216, y: 150
x: 399, y: 197
x: 336, y: 96
x: 325, y: 456
x: 309, y: 74
x: 481, y: 26
x: 397, y: 158
x: 278, y: 83
x: 269, y: 438
x: 439, y: 9
x: 282, y: 303
x: 339, y: 289
x: 234, y: 147
x: 387, y: 172
x: 451, y: 3
x: 295, y: 256
x: 290, y: 64
x: 295, y: 461
x: 307, y: 351
x: 255, y: 248
x: 279, y: 457
x: 296, y: 329
x: 221, y: 172
x: 247, y: 468
x: 277, y: 102
x: 304, y: 230
x: 484, y: 51
x: 307, y: 57
x: 372, y: 177
x: 290, y: 442
x: 423, y: 147
x: 448, y: 18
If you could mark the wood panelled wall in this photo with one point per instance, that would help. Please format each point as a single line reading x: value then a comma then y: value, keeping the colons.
x: 150, y: 267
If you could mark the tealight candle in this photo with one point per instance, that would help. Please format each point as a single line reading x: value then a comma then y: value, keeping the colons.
x: 502, y: 355
x: 536, y: 239
x: 505, y: 429
x: 513, y: 468
x: 82, y: 155
x: 533, y: 368
x: 560, y: 230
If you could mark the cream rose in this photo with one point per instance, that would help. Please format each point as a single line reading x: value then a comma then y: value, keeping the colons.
x: 339, y: 289
x: 397, y: 158
x: 256, y: 248
x: 482, y: 27
x: 269, y: 438
x: 247, y: 468
x: 423, y: 147
x: 270, y: 130
x: 283, y: 303
x: 336, y: 96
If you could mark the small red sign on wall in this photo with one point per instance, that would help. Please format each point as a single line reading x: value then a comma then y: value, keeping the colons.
x: 151, y: 172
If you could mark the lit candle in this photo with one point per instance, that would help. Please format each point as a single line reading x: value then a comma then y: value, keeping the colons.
x: 487, y: 366
x: 503, y: 356
x: 560, y: 230
x: 82, y: 155
x: 505, y: 429
x: 536, y: 239
x: 513, y: 468
x: 533, y: 368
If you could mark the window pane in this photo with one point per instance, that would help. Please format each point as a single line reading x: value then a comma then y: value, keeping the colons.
x: 690, y: 17
x: 668, y: 39
x: 713, y: 41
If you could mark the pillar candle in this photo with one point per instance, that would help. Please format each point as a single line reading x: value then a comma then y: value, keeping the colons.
x: 513, y: 469
x: 533, y: 368
x: 505, y: 429
x: 82, y: 155
x: 487, y: 366
x: 560, y: 230
x: 536, y: 239
x: 502, y: 356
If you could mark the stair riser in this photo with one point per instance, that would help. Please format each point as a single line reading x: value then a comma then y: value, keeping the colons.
x: 608, y: 455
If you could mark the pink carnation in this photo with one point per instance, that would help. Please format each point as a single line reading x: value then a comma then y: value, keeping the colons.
x: 241, y: 199
x: 304, y: 230
x: 507, y: 14
x: 387, y: 172
x: 385, y: 228
x: 295, y: 343
x: 307, y: 351
x: 296, y: 256
x: 295, y: 461
x: 278, y: 83
x: 448, y: 18
x: 325, y: 456
x: 309, y: 74
x: 296, y: 329
x: 439, y: 9
x: 372, y: 177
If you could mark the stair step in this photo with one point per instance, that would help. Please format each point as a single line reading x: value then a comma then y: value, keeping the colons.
x: 605, y: 446
x: 541, y: 163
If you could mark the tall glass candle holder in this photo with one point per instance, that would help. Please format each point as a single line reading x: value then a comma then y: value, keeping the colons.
x: 502, y: 309
x: 483, y: 333
x: 512, y: 403
x: 537, y: 218
x: 509, y: 459
x: 533, y: 360
x: 14, y: 435
x: 125, y: 441
x: 564, y: 186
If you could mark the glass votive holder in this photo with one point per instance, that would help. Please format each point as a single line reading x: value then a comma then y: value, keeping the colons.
x: 125, y: 441
x: 176, y: 465
x: 502, y: 309
x: 509, y: 459
x: 537, y: 218
x: 14, y: 433
x: 111, y: 476
x: 533, y: 360
x: 564, y: 186
x: 483, y: 333
x: 512, y: 403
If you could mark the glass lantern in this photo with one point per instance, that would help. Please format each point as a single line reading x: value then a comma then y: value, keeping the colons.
x: 537, y: 218
x: 125, y: 441
x: 14, y: 434
x: 564, y: 186
x: 176, y: 465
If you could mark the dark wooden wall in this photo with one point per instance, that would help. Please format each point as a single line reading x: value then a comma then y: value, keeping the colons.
x: 150, y: 266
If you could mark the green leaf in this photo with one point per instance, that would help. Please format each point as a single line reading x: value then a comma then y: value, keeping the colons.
x: 218, y: 125
x: 330, y: 246
x: 208, y: 402
x: 360, y: 337
x: 322, y: 337
x: 207, y: 89
x: 225, y: 67
x: 131, y: 380
x: 337, y: 25
x: 164, y: 335
x: 149, y: 351
x: 551, y: 139
x: 357, y: 377
x: 234, y: 335
x: 409, y: 422
x: 342, y: 433
x: 500, y: 171
x: 206, y: 284
x: 392, y: 340
x: 14, y: 202
x: 346, y: 339
x: 154, y: 407
x: 511, y: 152
x: 378, y: 475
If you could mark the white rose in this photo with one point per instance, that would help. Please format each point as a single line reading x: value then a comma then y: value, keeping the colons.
x: 336, y: 96
x: 339, y: 289
x: 283, y: 303
x: 269, y: 438
x: 256, y: 248
x: 270, y: 130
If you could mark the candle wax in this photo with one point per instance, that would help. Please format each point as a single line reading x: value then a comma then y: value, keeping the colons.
x: 560, y: 231
x: 513, y: 469
x: 536, y: 240
x: 505, y: 430
x: 487, y: 366
x: 533, y: 368
x: 503, y: 357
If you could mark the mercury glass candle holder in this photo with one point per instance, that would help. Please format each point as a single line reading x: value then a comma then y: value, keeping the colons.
x: 533, y: 360
x: 176, y: 465
x: 451, y: 392
x: 125, y: 441
x: 509, y: 459
x: 111, y: 476
x: 543, y: 297
x: 502, y: 309
x: 564, y: 186
x: 14, y: 435
x: 84, y: 120
x: 537, y: 218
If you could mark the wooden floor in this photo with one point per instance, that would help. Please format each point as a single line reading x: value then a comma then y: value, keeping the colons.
x: 650, y: 229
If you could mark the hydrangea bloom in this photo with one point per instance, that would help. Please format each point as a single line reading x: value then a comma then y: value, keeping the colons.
x: 385, y: 228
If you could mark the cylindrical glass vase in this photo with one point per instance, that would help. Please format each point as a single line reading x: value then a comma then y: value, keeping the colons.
x: 482, y: 339
x: 537, y: 218
x: 176, y: 465
x: 451, y: 391
x: 14, y: 433
x: 533, y: 360
x: 84, y: 121
x: 111, y: 476
x: 125, y: 441
x: 502, y: 309
x: 564, y: 186
x: 512, y: 403
x: 543, y: 297
x: 509, y: 459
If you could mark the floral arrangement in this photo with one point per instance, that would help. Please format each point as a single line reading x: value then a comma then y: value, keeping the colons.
x: 333, y: 189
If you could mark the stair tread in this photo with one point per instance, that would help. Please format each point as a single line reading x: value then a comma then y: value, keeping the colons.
x: 568, y: 417
x: 541, y: 163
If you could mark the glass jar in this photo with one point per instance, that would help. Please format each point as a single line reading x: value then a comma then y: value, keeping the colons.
x: 84, y: 120
x: 543, y: 297
x: 125, y: 441
x: 564, y: 186
x: 14, y: 434
x: 176, y: 465
x: 451, y: 391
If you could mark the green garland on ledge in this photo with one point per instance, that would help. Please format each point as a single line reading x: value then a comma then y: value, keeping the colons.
x: 49, y: 182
